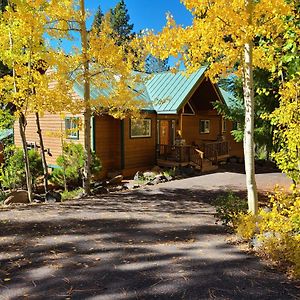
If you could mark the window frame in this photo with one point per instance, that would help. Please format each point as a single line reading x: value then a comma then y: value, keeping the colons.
x: 149, y: 121
x: 72, y: 135
x: 206, y: 121
x: 236, y: 125
x: 224, y: 125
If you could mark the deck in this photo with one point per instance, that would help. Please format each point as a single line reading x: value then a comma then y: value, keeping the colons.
x: 202, y: 157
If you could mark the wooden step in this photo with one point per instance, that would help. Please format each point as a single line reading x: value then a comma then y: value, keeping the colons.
x: 209, y: 168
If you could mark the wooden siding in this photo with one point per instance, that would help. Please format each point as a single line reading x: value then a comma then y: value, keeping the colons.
x: 108, y: 143
x: 52, y: 126
x: 235, y: 148
x: 139, y: 152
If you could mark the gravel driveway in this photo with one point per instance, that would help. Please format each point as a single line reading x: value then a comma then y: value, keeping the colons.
x: 156, y: 243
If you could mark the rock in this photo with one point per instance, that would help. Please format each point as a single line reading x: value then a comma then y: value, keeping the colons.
x: 17, y: 197
x: 116, y: 180
x: 159, y: 179
x: 156, y: 169
x: 129, y: 185
x: 53, y: 197
x: 149, y: 175
x: 168, y: 177
x: 113, y: 174
x: 136, y: 186
x: 151, y: 182
x: 138, y: 176
x: 99, y: 184
x: 188, y: 171
x: 38, y: 199
x: 100, y: 190
x: 117, y: 188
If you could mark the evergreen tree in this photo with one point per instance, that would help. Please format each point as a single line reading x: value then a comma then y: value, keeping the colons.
x: 98, y: 19
x: 156, y: 65
x: 266, y: 100
x: 120, y: 23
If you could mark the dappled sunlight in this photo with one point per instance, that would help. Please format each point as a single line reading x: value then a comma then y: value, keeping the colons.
x: 130, y: 245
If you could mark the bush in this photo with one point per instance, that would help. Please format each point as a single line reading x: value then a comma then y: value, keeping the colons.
x: 277, y: 229
x: 68, y: 195
x: 12, y: 172
x: 71, y: 164
x: 228, y: 207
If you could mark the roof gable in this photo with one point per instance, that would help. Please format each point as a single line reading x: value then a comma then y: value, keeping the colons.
x: 166, y: 92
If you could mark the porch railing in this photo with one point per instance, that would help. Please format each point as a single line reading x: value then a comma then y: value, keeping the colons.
x: 173, y: 153
x: 187, y: 153
x: 213, y: 150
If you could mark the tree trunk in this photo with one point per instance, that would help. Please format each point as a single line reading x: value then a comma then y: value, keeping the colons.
x: 249, y: 129
x: 22, y: 126
x: 87, y: 112
x: 43, y: 156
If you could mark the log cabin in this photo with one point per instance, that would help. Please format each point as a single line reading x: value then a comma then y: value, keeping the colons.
x: 180, y: 127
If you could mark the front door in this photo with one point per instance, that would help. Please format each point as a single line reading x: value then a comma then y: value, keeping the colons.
x: 164, y: 132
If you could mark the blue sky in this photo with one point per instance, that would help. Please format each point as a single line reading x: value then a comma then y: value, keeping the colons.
x: 149, y: 14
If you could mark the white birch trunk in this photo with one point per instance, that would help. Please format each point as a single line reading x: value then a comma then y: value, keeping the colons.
x: 249, y: 123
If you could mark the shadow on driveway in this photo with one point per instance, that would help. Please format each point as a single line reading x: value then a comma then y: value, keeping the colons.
x: 156, y: 244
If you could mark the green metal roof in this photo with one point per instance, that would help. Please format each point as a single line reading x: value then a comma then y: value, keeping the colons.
x: 229, y: 99
x: 165, y: 92
x: 5, y: 133
x: 169, y: 91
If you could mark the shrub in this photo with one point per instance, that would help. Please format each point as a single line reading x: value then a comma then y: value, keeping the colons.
x: 277, y: 229
x: 12, y: 172
x: 71, y: 164
x: 68, y: 195
x: 228, y: 207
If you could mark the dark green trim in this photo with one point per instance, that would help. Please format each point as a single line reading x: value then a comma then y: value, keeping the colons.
x: 50, y: 166
x: 93, y: 134
x: 122, y: 128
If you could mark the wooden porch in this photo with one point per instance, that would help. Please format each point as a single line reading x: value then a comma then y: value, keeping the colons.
x: 203, y: 157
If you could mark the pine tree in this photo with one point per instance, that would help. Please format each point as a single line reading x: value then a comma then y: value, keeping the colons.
x: 98, y: 19
x: 120, y: 23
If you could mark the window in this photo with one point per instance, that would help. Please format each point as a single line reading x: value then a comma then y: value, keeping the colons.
x: 140, y: 128
x: 72, y: 131
x: 224, y: 125
x: 236, y: 125
x: 204, y: 126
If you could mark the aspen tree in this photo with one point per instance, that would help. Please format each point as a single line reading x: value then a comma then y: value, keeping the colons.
x: 226, y: 36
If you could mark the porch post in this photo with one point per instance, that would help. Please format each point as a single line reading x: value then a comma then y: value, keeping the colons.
x: 122, y: 144
x: 181, y: 123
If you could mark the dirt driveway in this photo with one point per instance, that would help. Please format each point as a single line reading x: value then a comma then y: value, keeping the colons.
x: 158, y: 243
